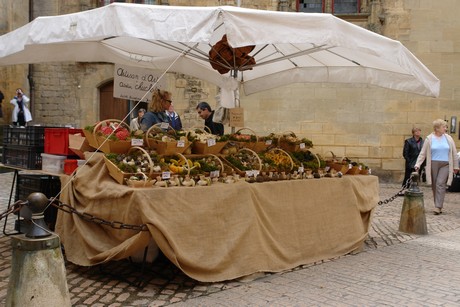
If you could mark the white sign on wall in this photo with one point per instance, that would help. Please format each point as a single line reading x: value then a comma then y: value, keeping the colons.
x: 132, y: 83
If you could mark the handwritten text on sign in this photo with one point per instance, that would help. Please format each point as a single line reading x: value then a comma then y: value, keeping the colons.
x: 237, y: 117
x: 133, y: 83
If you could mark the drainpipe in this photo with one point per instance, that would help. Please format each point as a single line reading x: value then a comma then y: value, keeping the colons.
x: 31, y: 68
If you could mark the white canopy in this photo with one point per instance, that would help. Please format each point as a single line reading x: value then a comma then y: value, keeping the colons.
x: 289, y: 47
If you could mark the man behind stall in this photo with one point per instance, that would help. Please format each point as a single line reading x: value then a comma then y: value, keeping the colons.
x: 206, y: 113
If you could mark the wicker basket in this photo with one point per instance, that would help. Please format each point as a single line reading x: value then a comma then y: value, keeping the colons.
x: 91, y: 138
x: 185, y: 165
x: 121, y: 176
x: 110, y: 146
x: 288, y: 146
x: 288, y: 159
x: 354, y: 170
x: 146, y: 182
x: 337, y: 165
x: 165, y: 148
x: 218, y: 161
x: 257, y: 145
x: 241, y: 172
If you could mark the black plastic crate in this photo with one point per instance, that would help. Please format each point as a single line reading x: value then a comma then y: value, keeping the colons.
x: 27, y: 136
x: 27, y: 157
x: 46, y: 184
x: 30, y: 183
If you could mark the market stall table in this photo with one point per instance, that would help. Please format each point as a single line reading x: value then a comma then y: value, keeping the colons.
x: 222, y: 231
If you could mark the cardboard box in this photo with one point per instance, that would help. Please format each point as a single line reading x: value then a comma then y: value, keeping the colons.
x: 79, y: 144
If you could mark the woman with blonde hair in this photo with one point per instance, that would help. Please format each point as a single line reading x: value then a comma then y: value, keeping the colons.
x: 161, y: 100
x: 441, y: 162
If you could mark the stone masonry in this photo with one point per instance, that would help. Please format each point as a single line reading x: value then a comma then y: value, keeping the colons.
x: 367, y: 124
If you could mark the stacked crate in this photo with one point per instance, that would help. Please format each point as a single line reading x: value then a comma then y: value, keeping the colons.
x: 57, y: 153
x: 23, y: 146
x: 49, y: 185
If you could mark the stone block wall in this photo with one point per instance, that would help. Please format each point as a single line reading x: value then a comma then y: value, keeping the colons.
x: 367, y: 124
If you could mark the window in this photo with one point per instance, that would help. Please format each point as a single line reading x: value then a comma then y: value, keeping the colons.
x: 345, y: 6
x: 311, y: 6
x: 107, y: 2
x: 329, y: 6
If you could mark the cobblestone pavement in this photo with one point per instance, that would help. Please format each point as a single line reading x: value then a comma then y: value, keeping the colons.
x: 345, y: 281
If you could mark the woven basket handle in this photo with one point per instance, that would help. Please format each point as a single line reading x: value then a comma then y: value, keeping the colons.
x: 286, y: 133
x: 220, y: 161
x: 203, y: 129
x: 255, y: 154
x: 187, y: 165
x: 146, y: 154
x: 249, y: 129
x: 285, y: 153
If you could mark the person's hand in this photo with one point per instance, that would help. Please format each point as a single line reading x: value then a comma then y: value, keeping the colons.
x: 456, y: 171
x: 416, y: 168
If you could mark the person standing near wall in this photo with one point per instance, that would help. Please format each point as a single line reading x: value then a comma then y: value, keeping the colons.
x: 411, y: 150
x: 21, y: 114
x: 174, y: 118
x: 135, y: 122
x: 441, y: 158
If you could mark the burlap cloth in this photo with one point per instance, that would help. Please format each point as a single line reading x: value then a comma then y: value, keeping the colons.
x: 219, y: 232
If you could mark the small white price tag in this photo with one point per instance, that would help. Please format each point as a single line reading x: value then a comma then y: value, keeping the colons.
x: 360, y: 167
x: 268, y: 142
x: 181, y: 143
x: 302, y: 145
x: 369, y: 171
x: 137, y: 142
x: 211, y: 142
x: 165, y: 175
x: 350, y: 166
x: 301, y: 169
x: 214, y: 174
x: 327, y: 168
x: 164, y: 125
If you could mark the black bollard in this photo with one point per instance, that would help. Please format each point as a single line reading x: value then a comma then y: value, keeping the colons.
x: 413, y: 218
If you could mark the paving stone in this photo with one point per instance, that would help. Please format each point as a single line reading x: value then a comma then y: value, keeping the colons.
x: 395, y: 269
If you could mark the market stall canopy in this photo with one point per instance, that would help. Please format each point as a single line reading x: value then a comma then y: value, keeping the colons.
x: 285, y: 47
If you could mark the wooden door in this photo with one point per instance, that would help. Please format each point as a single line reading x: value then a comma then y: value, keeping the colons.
x: 109, y: 106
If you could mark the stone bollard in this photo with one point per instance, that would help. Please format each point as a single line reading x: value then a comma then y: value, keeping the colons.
x: 413, y: 218
x: 37, y: 267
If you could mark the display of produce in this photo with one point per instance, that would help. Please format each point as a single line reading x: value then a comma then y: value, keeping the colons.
x: 110, y: 136
x: 277, y: 160
x: 291, y: 143
x: 244, y: 160
x: 166, y: 140
x: 247, y: 138
x: 232, y: 161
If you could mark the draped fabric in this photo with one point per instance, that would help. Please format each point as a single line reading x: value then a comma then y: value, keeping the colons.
x: 222, y: 231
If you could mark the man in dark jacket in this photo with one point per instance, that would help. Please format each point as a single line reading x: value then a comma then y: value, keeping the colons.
x: 411, y: 150
x: 205, y: 112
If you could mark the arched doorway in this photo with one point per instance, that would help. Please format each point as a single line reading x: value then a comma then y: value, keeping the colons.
x: 109, y: 106
x: 115, y: 108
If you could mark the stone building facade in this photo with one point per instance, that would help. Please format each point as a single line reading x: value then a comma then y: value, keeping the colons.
x: 367, y: 124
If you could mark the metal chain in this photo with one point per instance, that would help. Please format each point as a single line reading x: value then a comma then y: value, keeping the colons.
x: 143, y: 227
x: 390, y: 199
x: 91, y: 218
x: 14, y: 208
